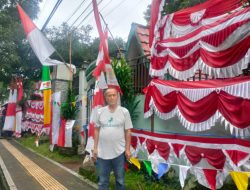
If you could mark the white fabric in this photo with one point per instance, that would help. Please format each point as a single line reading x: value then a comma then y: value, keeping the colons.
x: 156, y: 159
x: 183, y: 174
x: 68, y: 133
x: 199, y: 174
x: 56, y: 99
x: 194, y: 143
x: 112, y: 131
x: 19, y: 115
x: 242, y: 17
x: 40, y: 45
x: 51, y: 62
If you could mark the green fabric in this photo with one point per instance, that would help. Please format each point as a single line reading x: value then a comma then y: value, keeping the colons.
x: 148, y: 167
x: 46, y: 83
x: 45, y: 74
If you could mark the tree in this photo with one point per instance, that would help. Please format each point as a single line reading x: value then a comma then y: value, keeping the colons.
x: 123, y: 73
x: 13, y: 44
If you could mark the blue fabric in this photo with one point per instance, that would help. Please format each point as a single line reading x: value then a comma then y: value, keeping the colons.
x: 104, y: 168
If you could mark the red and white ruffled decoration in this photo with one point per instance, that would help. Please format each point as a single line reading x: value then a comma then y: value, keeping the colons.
x: 218, y: 47
x: 34, y: 117
x: 209, y: 159
x: 199, y: 105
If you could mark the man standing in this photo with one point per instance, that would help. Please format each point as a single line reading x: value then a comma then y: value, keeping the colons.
x: 112, y: 140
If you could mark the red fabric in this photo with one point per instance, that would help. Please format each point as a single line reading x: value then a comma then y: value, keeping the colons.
x: 216, y: 83
x: 229, y: 28
x: 61, y: 136
x: 236, y: 155
x: 20, y: 91
x: 220, y: 59
x: 91, y: 131
x: 134, y: 142
x: 213, y: 8
x: 211, y: 177
x: 28, y: 25
x: 98, y: 99
x: 235, y: 109
x: 11, y: 109
x: 215, y: 157
x: 101, y: 61
x: 155, y: 5
x: 199, y: 141
x: 141, y: 139
x: 182, y: 45
x: 227, y: 57
x: 161, y: 147
x: 177, y: 148
x: 101, y: 33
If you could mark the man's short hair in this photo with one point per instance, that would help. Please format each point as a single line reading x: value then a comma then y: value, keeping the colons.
x: 105, y: 91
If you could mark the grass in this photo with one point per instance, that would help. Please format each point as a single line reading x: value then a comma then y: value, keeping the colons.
x: 43, y: 149
x: 134, y: 179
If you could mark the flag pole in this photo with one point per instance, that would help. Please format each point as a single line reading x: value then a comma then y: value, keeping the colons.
x: 70, y: 54
x: 110, y: 33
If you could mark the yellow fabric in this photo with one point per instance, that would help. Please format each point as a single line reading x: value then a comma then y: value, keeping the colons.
x: 136, y: 162
x: 240, y: 179
x: 47, y: 106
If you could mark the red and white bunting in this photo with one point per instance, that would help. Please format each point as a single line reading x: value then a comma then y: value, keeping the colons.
x: 213, y: 41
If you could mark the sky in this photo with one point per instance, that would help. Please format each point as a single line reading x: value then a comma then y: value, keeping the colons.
x: 118, y: 14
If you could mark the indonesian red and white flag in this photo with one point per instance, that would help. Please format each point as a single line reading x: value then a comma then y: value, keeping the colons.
x: 38, y: 42
x: 10, y: 118
x: 103, y: 67
x: 65, y: 133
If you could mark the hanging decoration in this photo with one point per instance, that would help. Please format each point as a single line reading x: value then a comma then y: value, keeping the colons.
x: 199, y: 105
x: 204, y: 157
x: 213, y: 41
x: 33, y: 119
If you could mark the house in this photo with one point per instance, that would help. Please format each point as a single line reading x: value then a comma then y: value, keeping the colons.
x: 138, y: 55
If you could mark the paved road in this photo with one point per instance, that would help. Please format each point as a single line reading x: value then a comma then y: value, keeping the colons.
x: 25, y: 170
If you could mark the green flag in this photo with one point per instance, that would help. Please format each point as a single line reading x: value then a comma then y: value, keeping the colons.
x: 148, y: 167
x: 46, y: 83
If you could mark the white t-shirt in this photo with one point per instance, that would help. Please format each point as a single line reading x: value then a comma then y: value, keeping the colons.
x: 112, y: 125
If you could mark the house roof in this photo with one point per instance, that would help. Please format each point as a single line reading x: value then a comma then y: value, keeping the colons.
x: 142, y: 36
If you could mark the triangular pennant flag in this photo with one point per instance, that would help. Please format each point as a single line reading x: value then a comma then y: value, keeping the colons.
x: 162, y: 169
x: 177, y: 148
x: 148, y: 167
x: 40, y: 45
x: 236, y: 156
x: 210, y: 175
x: 240, y: 179
x: 135, y: 162
x: 183, y: 174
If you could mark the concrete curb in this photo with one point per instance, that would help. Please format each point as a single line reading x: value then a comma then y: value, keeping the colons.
x: 7, y: 175
x: 63, y: 167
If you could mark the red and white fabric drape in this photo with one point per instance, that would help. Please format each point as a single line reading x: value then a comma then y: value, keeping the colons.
x: 199, y: 105
x: 213, y: 41
x: 208, y: 158
x: 34, y: 117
